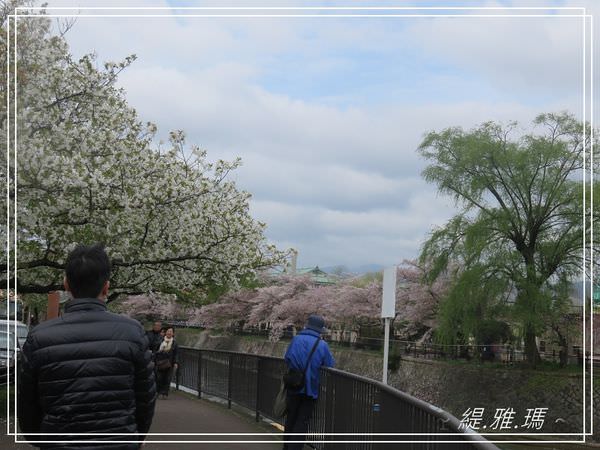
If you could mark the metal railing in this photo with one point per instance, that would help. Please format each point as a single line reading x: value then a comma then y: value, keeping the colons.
x: 347, y: 403
x: 499, y: 353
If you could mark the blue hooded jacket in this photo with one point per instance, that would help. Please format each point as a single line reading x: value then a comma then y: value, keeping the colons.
x: 297, y: 353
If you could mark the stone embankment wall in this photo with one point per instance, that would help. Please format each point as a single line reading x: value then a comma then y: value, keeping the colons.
x: 454, y: 387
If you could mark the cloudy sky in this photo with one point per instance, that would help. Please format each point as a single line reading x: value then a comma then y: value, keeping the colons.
x: 327, y: 112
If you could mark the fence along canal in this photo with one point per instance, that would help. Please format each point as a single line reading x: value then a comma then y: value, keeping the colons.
x: 347, y: 403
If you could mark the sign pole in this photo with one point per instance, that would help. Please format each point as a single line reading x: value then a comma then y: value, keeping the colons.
x: 386, y: 350
x: 388, y: 311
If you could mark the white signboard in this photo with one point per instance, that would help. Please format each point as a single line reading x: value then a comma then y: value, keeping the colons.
x: 388, y: 303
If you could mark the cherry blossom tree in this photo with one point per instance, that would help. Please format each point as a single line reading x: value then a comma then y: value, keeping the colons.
x: 346, y: 306
x: 157, y: 306
x: 88, y: 170
x: 231, y: 310
x: 293, y: 311
x: 351, y: 307
x: 150, y: 307
x: 267, y: 303
x: 417, y: 301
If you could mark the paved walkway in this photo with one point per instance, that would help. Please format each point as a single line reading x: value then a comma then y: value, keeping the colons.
x: 184, y: 413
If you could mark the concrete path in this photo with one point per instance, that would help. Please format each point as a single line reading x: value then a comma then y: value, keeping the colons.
x: 184, y: 413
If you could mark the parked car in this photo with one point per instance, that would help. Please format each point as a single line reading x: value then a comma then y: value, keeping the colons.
x: 16, y: 309
x: 7, y: 354
x: 21, y: 328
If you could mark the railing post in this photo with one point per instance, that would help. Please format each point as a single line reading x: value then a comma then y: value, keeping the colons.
x: 377, y: 414
x: 177, y: 375
x: 258, y: 367
x: 199, y: 385
x: 230, y: 371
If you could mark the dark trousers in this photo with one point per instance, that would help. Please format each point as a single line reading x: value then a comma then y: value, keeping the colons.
x: 163, y: 381
x: 300, y: 409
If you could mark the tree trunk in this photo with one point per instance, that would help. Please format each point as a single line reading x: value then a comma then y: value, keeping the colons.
x: 563, y: 354
x: 563, y: 357
x: 531, y: 351
x: 531, y: 297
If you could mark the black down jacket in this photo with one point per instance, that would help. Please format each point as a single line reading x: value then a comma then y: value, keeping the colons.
x: 88, y: 371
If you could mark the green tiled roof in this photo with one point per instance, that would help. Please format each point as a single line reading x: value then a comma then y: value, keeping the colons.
x: 317, y: 275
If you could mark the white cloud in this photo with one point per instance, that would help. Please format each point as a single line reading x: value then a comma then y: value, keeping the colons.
x: 327, y: 236
x: 529, y: 54
x: 335, y: 174
x: 524, y: 54
x: 342, y: 186
x: 327, y: 185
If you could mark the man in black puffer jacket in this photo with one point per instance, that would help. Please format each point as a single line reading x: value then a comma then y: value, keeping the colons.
x: 88, y: 371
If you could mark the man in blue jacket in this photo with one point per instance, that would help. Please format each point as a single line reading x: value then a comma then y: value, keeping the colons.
x: 301, y: 403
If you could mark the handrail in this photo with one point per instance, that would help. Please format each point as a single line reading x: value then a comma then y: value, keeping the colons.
x: 252, y: 381
x: 448, y: 419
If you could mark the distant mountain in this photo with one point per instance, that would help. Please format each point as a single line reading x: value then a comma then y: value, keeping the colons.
x: 353, y: 270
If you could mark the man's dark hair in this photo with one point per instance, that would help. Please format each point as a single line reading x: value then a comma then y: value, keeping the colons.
x: 87, y: 269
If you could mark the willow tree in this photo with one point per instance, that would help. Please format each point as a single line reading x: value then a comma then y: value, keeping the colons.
x: 520, y: 225
x: 87, y: 169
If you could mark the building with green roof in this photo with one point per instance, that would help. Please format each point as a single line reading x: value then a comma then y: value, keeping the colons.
x: 318, y: 276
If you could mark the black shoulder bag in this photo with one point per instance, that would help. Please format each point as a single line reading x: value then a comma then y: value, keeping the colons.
x: 294, y: 379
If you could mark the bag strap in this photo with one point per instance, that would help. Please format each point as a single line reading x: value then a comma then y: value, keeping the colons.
x: 310, y: 356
